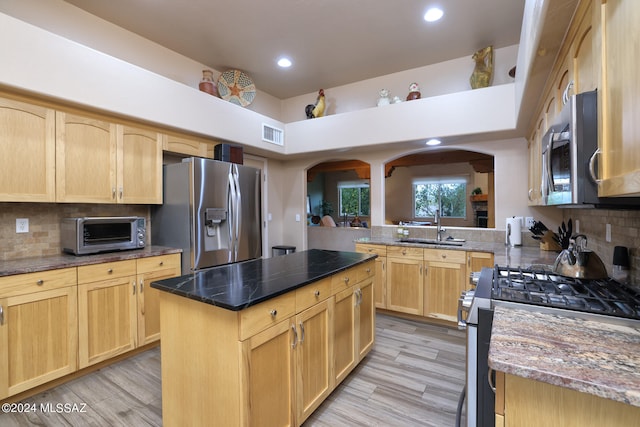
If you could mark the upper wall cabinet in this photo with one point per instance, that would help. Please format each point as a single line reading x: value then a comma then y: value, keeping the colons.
x: 85, y: 160
x: 27, y: 152
x: 101, y: 162
x: 620, y: 100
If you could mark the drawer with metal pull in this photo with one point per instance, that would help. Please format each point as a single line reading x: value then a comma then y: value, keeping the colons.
x: 458, y: 257
x: 261, y: 316
x: 106, y: 271
x: 22, y: 284
x: 312, y: 294
x: 344, y: 279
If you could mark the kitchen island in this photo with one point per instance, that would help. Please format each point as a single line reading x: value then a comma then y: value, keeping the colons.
x: 263, y: 342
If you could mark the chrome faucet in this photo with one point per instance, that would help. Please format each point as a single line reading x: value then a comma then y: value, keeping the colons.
x: 439, y: 229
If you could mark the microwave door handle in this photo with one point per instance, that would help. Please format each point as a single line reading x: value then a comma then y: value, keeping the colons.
x: 549, y: 163
x: 592, y: 166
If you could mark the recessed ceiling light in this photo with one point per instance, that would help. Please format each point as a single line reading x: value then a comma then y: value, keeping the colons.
x: 434, y: 142
x: 284, y: 62
x: 433, y: 14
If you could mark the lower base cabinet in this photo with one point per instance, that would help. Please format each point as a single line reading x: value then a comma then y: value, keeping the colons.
x: 54, y: 322
x: 423, y: 282
x: 271, y: 364
x: 38, y: 329
x: 524, y: 402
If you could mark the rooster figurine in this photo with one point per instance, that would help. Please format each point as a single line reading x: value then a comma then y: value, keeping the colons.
x: 317, y: 109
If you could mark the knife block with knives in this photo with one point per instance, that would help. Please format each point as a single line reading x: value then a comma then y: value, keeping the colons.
x: 549, y: 240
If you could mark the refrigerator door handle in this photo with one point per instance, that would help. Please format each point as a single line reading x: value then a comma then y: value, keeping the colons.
x: 238, y: 210
x: 232, y: 217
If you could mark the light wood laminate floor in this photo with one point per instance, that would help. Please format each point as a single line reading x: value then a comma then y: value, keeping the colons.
x: 413, y: 377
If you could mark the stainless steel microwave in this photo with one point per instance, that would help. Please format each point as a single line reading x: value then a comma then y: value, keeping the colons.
x: 568, y: 153
x: 91, y: 235
x: 569, y: 158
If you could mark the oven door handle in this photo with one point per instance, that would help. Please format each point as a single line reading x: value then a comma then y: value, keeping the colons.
x: 462, y: 324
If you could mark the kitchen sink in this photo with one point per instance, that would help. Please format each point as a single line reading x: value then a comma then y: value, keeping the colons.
x: 446, y: 242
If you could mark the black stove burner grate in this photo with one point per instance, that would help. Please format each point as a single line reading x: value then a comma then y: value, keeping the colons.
x: 602, y: 296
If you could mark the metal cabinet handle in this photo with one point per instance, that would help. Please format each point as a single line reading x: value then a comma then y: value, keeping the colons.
x: 490, y: 379
x: 444, y: 255
x: 295, y: 336
x: 121, y: 191
x: 273, y: 312
x: 301, y: 333
x: 141, y: 285
x: 316, y: 293
x: 109, y: 271
x: 529, y: 195
x: 468, y: 260
x: 161, y: 263
x: 368, y: 270
x: 40, y: 282
x: 346, y: 280
x: 1, y: 315
x: 113, y: 193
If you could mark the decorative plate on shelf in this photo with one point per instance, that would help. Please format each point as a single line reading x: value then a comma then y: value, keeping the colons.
x: 235, y: 86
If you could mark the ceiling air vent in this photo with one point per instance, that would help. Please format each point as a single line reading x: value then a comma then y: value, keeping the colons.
x: 272, y: 135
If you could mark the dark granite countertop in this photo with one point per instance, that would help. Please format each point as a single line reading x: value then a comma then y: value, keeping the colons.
x: 240, y: 285
x: 54, y: 262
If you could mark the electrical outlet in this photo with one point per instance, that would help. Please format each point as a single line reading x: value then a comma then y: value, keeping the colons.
x: 577, y: 224
x: 528, y: 222
x: 22, y: 225
x: 297, y: 217
x: 608, y: 233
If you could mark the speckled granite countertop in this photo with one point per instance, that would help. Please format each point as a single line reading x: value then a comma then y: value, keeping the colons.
x: 241, y: 285
x: 520, y: 256
x: 32, y: 265
x: 584, y: 355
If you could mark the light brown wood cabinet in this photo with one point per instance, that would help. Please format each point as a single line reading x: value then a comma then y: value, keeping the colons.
x: 27, y: 152
x: 117, y: 309
x: 422, y: 281
x: 101, y: 162
x: 148, y: 299
x: 619, y: 166
x: 405, y: 280
x: 380, y: 280
x: 270, y: 364
x: 444, y: 282
x: 186, y: 146
x: 38, y: 329
x: 533, y: 403
x: 106, y: 311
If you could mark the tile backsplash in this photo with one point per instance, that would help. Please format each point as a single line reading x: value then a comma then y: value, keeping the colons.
x: 43, y: 237
x: 625, y: 231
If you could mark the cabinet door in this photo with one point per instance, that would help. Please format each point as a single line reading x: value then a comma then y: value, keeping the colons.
x: 365, y: 317
x: 106, y: 319
x: 380, y: 283
x: 585, y: 73
x: 405, y: 285
x: 620, y: 109
x: 476, y: 261
x: 344, y: 341
x: 185, y: 146
x: 534, y: 150
x: 314, y: 352
x: 269, y: 381
x: 38, y: 338
x: 85, y: 159
x: 444, y: 284
x: 150, y: 270
x: 27, y: 152
x: 139, y: 166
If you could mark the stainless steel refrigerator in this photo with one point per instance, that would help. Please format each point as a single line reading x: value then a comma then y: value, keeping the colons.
x: 211, y: 210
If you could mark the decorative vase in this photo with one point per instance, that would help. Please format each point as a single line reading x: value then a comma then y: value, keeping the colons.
x: 207, y: 84
x: 384, y: 98
x: 414, y: 92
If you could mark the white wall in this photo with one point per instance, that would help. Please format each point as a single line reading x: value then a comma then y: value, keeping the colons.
x: 434, y: 80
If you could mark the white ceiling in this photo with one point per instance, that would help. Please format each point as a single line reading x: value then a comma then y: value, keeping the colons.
x: 331, y: 42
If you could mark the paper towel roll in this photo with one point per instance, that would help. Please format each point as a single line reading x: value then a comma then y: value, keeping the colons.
x: 514, y: 231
